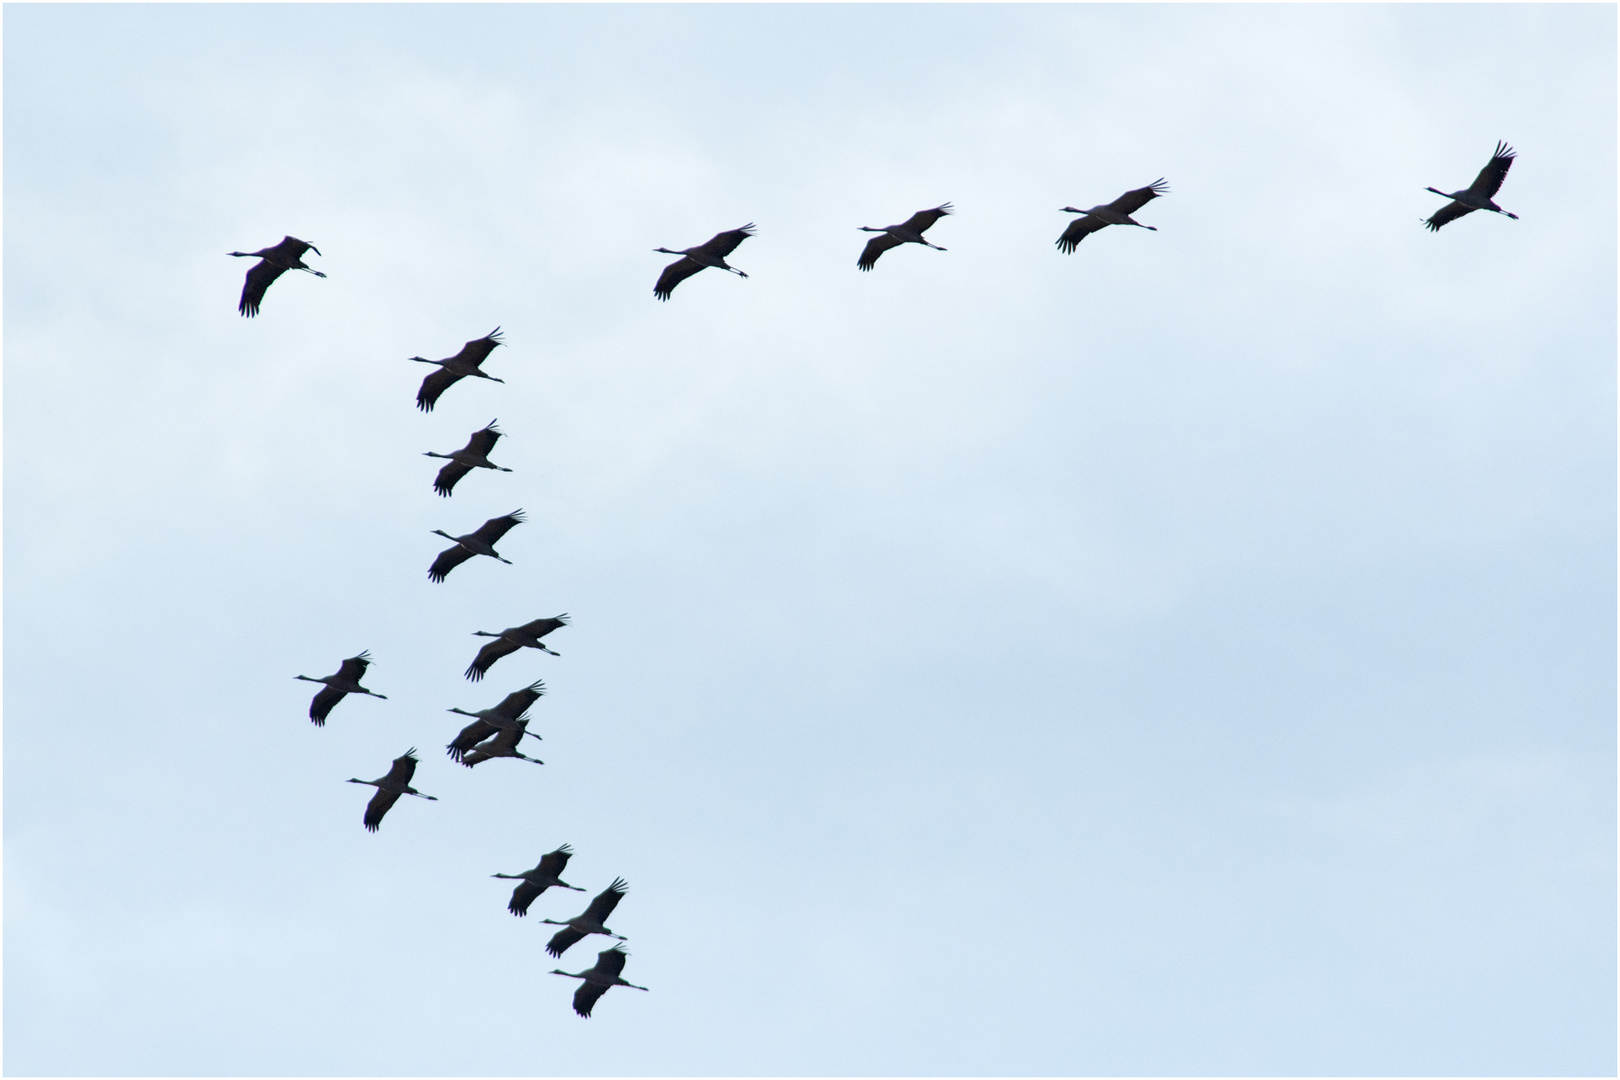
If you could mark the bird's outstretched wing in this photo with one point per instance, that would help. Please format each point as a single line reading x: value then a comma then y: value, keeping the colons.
x: 259, y: 277
x: 555, y: 862
x: 403, y: 769
x: 435, y: 384
x: 453, y: 471
x: 675, y: 273
x: 355, y: 667
x: 1136, y: 198
x: 476, y: 351
x: 723, y: 244
x: 541, y: 627
x: 322, y: 705
x: 562, y: 939
x: 875, y: 247
x: 291, y: 249
x: 515, y: 704
x: 586, y: 996
x: 1447, y: 213
x: 1489, y: 180
x: 523, y: 896
x: 1078, y: 230
x: 604, y: 902
x: 379, y: 805
x: 488, y: 655
x: 495, y: 528
x: 611, y: 961
x: 469, y: 737
x: 484, y: 439
x: 448, y: 560
x: 923, y: 220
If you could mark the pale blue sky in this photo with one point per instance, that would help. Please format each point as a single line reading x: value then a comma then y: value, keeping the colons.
x: 1194, y: 655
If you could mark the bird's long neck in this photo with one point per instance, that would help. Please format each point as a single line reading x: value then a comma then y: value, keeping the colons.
x: 447, y: 536
x: 1437, y: 191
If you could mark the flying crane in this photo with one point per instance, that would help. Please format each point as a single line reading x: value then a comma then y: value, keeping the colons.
x: 390, y: 787
x: 510, y: 640
x: 599, y: 979
x: 455, y: 368
x: 475, y: 455
x: 909, y: 231
x: 502, y: 744
x: 589, y: 921
x: 1478, y: 195
x: 345, y: 682
x: 712, y: 252
x: 1117, y: 212
x: 273, y: 262
x: 536, y: 881
x: 481, y: 541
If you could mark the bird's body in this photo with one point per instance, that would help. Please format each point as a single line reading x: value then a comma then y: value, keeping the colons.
x: 273, y: 262
x: 487, y: 722
x: 909, y: 231
x: 1117, y: 212
x: 455, y: 368
x: 475, y: 455
x: 503, y: 743
x: 590, y: 921
x: 538, y: 880
x: 510, y: 641
x: 481, y: 541
x: 339, y: 686
x: 713, y: 253
x: 599, y: 979
x: 1478, y: 195
x: 390, y: 787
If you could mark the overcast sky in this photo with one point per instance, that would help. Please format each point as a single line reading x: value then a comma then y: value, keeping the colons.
x: 1190, y: 655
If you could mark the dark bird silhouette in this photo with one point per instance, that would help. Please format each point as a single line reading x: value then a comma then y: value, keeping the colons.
x: 502, y: 744
x: 487, y: 722
x: 390, y: 788
x: 511, y: 640
x: 1478, y: 195
x: 599, y: 979
x: 273, y: 262
x: 345, y: 682
x: 1117, y: 212
x: 475, y: 455
x: 455, y: 368
x: 538, y: 880
x: 909, y: 231
x: 589, y: 922
x: 481, y: 541
x: 712, y: 253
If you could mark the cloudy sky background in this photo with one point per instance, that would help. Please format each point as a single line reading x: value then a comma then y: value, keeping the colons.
x: 1192, y: 655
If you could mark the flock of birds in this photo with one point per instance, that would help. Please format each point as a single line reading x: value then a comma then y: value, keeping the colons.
x: 498, y: 731
x: 287, y: 255
x: 495, y: 732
